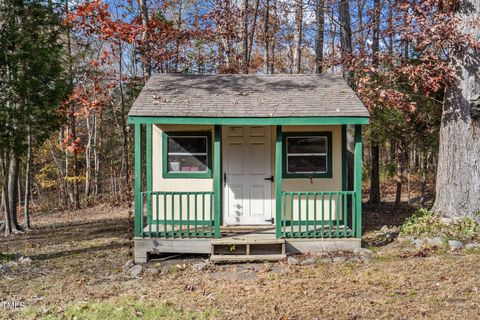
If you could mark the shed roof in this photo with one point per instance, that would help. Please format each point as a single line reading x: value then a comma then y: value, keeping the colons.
x: 260, y: 96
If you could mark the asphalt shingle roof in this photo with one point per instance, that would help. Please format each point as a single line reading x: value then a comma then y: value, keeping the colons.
x: 220, y: 96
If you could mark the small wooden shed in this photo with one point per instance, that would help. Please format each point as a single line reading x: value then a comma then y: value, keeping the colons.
x: 257, y: 163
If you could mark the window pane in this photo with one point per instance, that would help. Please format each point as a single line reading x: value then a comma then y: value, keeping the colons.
x: 308, y: 164
x: 187, y: 144
x: 187, y: 163
x: 307, y: 145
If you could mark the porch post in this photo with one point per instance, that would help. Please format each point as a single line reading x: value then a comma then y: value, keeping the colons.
x: 217, y: 178
x: 358, y: 180
x: 278, y: 181
x: 148, y: 173
x: 138, y: 181
x: 344, y: 157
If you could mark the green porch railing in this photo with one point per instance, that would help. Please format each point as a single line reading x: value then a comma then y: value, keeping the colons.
x: 325, y: 214
x: 177, y: 214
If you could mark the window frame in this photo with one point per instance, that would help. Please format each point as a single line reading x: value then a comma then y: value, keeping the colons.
x: 186, y: 174
x: 327, y: 174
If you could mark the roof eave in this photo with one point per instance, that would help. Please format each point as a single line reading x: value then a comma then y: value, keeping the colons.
x: 318, y: 120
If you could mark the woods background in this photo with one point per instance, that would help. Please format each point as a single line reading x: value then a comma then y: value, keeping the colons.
x: 71, y: 70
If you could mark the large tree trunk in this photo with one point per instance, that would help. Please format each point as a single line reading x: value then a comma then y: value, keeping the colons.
x: 319, y: 37
x: 298, y: 36
x: 458, y: 173
x: 375, y: 151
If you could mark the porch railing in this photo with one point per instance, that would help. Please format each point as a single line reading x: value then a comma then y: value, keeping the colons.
x: 177, y: 214
x: 319, y: 214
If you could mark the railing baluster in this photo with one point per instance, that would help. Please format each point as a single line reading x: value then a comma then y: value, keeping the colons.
x: 173, y: 215
x: 330, y: 222
x: 299, y: 214
x: 353, y: 214
x: 149, y: 213
x: 156, y: 214
x: 284, y: 215
x: 195, y: 197
x: 203, y: 214
x: 337, y: 214
x: 211, y: 214
x: 345, y: 220
x: 323, y: 214
x: 291, y: 215
x: 307, y: 226
x: 164, y: 215
x: 315, y: 215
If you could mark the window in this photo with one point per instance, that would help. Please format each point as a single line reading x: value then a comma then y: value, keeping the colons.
x: 307, y: 155
x: 187, y: 155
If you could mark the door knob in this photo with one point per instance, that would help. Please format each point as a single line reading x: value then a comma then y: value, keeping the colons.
x: 270, y: 178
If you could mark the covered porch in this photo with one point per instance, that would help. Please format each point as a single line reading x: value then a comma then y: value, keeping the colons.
x: 258, y: 180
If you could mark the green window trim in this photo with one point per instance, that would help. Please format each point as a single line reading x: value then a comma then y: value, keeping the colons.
x: 187, y: 174
x: 327, y: 174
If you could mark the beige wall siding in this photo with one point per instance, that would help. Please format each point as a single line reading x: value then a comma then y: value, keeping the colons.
x: 178, y: 184
x: 316, y: 184
x: 288, y: 184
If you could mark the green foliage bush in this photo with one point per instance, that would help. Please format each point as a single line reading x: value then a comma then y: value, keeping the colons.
x: 423, y: 223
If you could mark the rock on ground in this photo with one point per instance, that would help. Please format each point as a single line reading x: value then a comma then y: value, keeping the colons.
x: 136, y: 270
x: 128, y: 266
x: 473, y: 245
x: 435, y: 241
x: 308, y: 262
x: 293, y: 261
x: 200, y: 266
x: 455, y: 245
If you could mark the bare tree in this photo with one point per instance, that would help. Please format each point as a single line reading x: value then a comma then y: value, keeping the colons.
x: 298, y: 36
x: 320, y: 34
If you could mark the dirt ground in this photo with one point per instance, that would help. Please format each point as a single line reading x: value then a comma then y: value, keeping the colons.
x: 78, y: 259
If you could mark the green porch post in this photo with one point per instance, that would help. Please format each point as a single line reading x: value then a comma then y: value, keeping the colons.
x: 278, y: 182
x: 148, y: 174
x: 344, y: 157
x: 358, y: 180
x: 217, y: 178
x: 138, y: 181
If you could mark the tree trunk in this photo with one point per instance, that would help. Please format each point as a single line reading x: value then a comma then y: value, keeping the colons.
x: 244, y: 42
x: 320, y: 36
x: 252, y: 33
x: 12, y: 194
x: 74, y: 193
x: 345, y: 38
x: 298, y: 36
x: 399, y: 177
x: 375, y: 151
x: 123, y: 116
x: 147, y: 69
x: 27, y: 182
x: 267, y: 37
x: 458, y: 173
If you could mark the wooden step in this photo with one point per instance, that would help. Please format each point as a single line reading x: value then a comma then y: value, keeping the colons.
x: 246, y: 258
x: 247, y: 249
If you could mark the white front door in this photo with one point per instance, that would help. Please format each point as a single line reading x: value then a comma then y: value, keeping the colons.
x: 246, y: 166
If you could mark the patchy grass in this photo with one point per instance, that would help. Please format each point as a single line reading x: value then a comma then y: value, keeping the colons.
x: 424, y: 223
x: 77, y: 274
x: 121, y: 309
x: 5, y: 257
